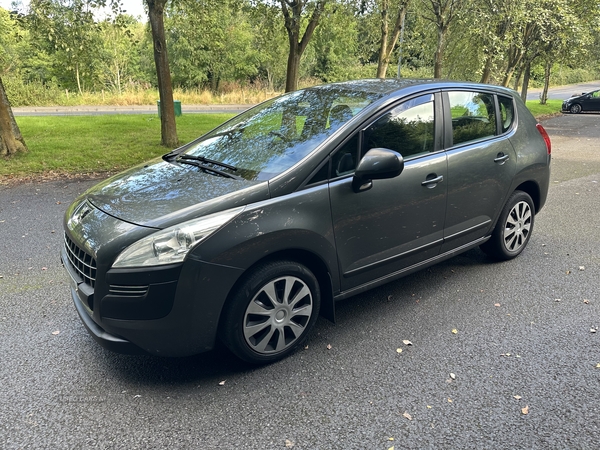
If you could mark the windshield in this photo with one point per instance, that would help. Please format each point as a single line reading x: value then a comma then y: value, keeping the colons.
x: 272, y: 137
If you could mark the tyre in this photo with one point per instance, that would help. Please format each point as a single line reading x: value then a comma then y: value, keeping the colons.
x: 271, y: 312
x: 514, y: 227
x: 575, y: 108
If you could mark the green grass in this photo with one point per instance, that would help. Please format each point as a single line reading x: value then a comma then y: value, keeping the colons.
x: 80, y: 145
x: 84, y: 144
x: 551, y: 107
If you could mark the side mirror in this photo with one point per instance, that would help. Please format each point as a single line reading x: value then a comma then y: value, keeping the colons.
x: 377, y: 164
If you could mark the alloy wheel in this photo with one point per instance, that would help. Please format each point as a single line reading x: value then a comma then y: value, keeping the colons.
x: 517, y: 227
x: 278, y: 315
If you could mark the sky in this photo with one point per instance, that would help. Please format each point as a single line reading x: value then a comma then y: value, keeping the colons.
x: 133, y: 7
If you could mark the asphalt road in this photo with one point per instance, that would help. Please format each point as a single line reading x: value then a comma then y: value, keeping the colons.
x: 564, y: 92
x: 523, y: 343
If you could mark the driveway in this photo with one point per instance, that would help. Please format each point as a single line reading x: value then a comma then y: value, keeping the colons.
x: 502, y: 355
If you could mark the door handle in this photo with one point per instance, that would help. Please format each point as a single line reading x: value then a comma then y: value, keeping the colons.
x: 430, y: 183
x: 501, y: 158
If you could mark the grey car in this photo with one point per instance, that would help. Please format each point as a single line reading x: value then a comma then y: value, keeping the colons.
x: 249, y: 233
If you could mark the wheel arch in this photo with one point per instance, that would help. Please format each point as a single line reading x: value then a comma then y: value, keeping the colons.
x: 531, y: 188
x: 312, y: 261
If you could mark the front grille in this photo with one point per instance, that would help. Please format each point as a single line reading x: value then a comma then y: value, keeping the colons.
x: 83, y: 263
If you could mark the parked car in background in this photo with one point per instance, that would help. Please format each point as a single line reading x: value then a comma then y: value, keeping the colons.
x: 251, y: 231
x: 588, y: 101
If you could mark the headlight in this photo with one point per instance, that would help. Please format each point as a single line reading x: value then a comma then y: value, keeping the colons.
x: 171, y: 245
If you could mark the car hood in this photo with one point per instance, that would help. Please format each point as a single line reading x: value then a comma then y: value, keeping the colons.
x: 575, y: 97
x: 159, y: 194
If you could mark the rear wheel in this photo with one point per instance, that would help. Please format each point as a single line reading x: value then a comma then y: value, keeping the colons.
x: 514, y: 227
x: 272, y: 312
x: 575, y: 108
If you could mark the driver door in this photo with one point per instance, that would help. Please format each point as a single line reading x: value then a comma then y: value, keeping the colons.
x: 398, y: 222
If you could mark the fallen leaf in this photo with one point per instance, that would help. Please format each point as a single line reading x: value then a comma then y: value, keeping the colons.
x: 518, y: 397
x: 582, y: 268
x: 58, y: 203
x: 557, y: 299
x: 398, y: 350
x: 454, y: 331
x: 288, y: 443
x: 44, y: 268
x: 137, y: 396
x: 406, y: 342
x: 449, y: 400
x: 390, y: 439
x: 306, y: 347
x: 452, y: 376
x: 389, y: 297
x: 598, y: 366
x: 592, y: 330
x: 329, y: 347
x: 222, y: 383
x: 391, y: 448
x: 429, y: 407
x: 585, y: 300
x: 407, y: 415
x: 525, y: 410
x: 568, y: 272
x: 497, y: 305
x: 56, y: 332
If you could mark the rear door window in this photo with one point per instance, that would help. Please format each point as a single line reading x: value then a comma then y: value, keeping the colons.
x: 473, y: 116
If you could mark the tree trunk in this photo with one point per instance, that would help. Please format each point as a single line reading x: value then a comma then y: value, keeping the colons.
x: 293, y: 22
x: 11, y: 141
x: 526, y: 75
x: 383, y: 59
x: 387, y: 43
x: 547, y: 70
x: 487, y: 69
x: 77, y: 76
x: 439, y: 55
x: 293, y: 68
x: 168, y: 128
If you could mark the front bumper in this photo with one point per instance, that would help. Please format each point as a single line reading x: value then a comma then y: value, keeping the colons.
x: 194, y: 296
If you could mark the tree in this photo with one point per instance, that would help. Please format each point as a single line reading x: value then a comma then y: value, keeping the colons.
x: 11, y: 141
x: 68, y: 30
x: 293, y: 14
x: 441, y: 13
x: 168, y: 128
x: 388, y: 40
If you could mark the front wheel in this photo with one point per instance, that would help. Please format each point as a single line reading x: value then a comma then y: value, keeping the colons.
x: 575, y: 109
x: 514, y: 227
x: 271, y: 312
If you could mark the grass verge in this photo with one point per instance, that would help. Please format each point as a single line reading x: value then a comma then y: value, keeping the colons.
x: 79, y: 146
x: 84, y: 145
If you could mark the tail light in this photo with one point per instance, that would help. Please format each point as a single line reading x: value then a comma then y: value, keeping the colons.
x: 546, y: 137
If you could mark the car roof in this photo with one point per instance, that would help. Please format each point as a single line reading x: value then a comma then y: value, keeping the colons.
x: 394, y: 86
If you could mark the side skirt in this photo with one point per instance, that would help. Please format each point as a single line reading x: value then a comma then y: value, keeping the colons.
x: 408, y: 270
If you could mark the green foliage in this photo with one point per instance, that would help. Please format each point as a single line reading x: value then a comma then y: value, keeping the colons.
x: 225, y: 45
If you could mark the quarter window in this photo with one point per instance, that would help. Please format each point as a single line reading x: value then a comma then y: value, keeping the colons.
x: 507, y: 112
x: 473, y: 116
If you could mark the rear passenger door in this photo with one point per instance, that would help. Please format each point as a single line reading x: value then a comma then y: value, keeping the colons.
x: 481, y: 162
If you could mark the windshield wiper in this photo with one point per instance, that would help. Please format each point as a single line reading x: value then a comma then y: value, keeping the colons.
x: 206, y: 160
x: 208, y: 169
